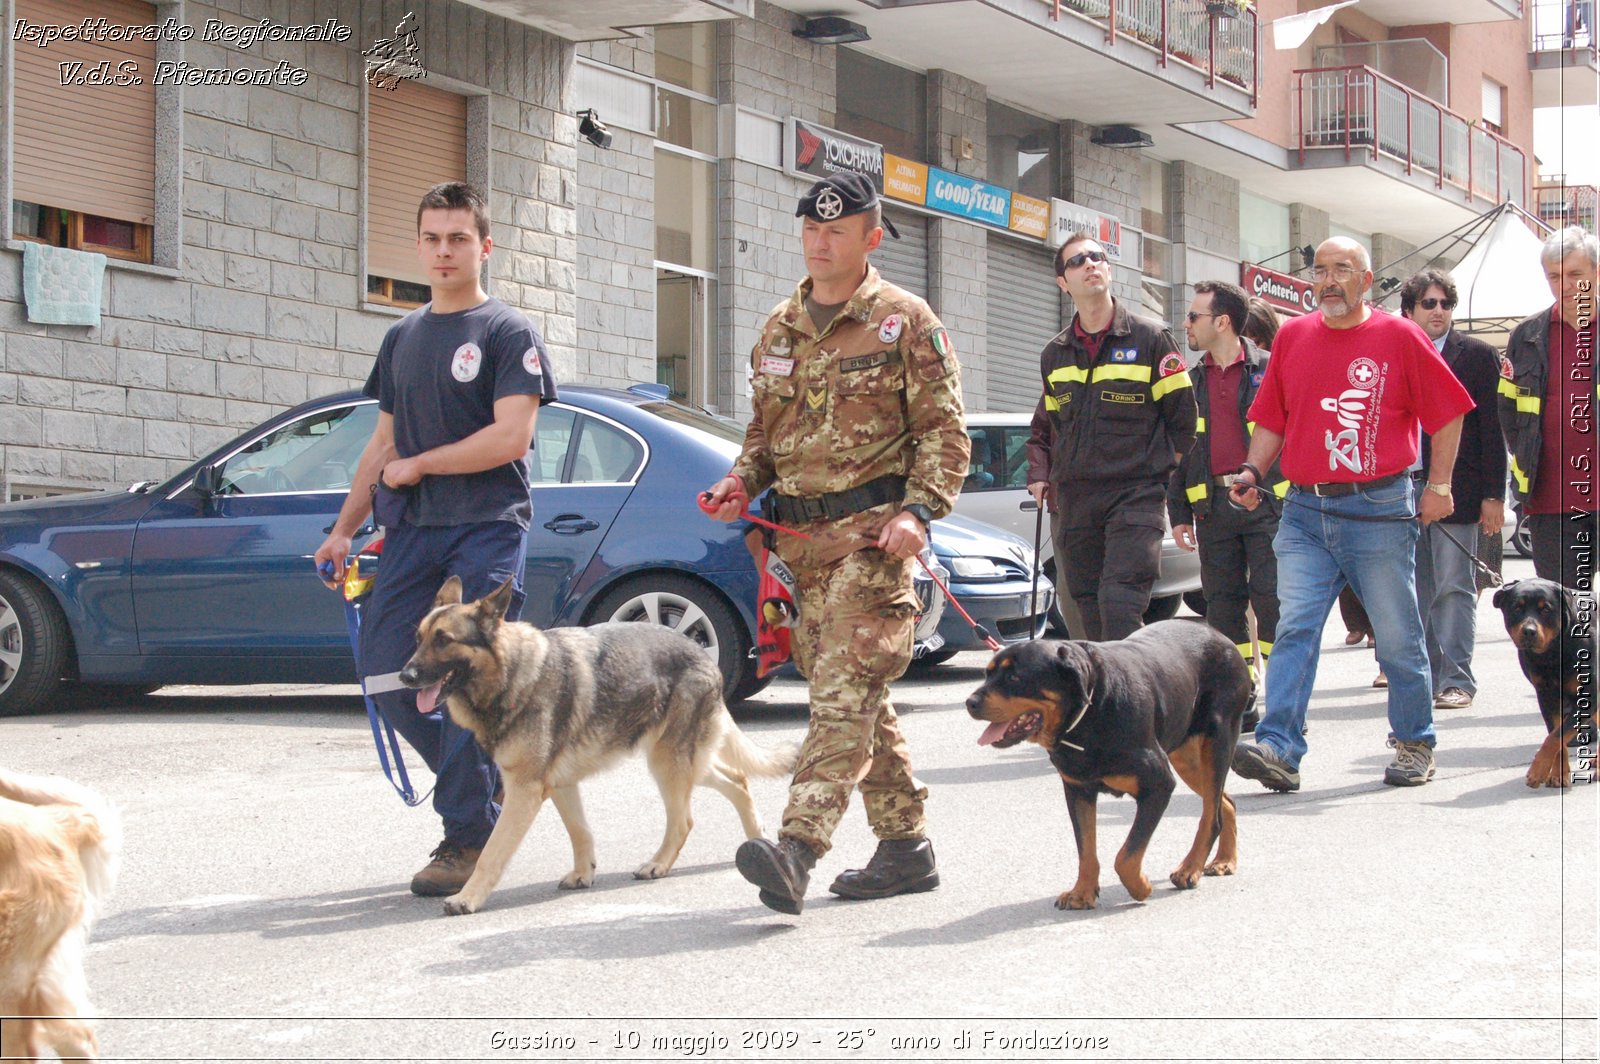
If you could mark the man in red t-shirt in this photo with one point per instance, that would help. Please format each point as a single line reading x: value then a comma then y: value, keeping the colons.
x: 1547, y: 398
x: 1340, y: 408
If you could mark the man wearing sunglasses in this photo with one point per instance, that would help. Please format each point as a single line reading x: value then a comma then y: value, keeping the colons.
x: 1447, y: 588
x: 1343, y: 398
x: 1237, y: 566
x: 1122, y: 412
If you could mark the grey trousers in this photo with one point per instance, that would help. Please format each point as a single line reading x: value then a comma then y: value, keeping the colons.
x: 1447, y: 596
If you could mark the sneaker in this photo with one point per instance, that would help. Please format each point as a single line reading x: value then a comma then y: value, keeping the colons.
x: 1380, y: 680
x: 447, y: 872
x: 1452, y: 698
x: 1412, y: 766
x: 1260, y: 762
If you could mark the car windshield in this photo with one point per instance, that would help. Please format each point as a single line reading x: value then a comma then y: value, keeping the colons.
x: 725, y: 429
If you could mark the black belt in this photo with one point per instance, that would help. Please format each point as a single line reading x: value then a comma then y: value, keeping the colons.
x: 1335, y: 489
x: 833, y: 505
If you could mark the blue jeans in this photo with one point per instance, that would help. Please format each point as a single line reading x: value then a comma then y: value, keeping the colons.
x: 1318, y: 552
x: 415, y: 562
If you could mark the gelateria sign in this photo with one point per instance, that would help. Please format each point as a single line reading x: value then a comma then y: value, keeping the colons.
x: 1279, y: 289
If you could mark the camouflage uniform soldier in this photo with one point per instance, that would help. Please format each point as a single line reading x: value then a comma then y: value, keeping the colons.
x: 858, y: 428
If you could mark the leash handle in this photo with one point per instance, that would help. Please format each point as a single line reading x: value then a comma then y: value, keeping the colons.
x: 708, y: 508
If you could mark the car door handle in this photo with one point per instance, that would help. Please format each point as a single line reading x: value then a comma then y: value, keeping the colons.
x: 1028, y: 505
x: 570, y: 524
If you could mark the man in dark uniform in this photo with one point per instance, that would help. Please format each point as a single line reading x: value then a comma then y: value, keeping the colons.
x: 1547, y: 394
x: 1122, y: 411
x: 459, y: 383
x: 857, y: 426
x: 1237, y: 566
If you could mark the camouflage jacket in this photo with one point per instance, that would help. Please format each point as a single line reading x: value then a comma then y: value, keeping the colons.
x: 875, y: 392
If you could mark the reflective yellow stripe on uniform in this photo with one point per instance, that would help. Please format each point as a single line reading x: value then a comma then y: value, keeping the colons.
x: 1197, y: 492
x: 1266, y: 648
x: 1249, y: 428
x: 1519, y: 476
x: 1120, y: 373
x: 1245, y: 650
x: 1171, y: 383
x: 1050, y: 402
x: 1281, y: 489
x: 1526, y: 404
x: 1199, y: 425
x: 1067, y: 375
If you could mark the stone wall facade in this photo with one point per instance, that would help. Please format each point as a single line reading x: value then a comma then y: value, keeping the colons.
x: 266, y: 306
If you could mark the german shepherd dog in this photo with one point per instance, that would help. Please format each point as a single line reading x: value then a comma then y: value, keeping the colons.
x: 552, y: 708
x: 60, y: 844
x: 1118, y: 718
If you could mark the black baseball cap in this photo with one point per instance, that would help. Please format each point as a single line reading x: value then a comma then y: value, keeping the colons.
x: 840, y: 196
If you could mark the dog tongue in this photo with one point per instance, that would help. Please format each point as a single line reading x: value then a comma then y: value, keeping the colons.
x: 993, y: 733
x: 427, y: 698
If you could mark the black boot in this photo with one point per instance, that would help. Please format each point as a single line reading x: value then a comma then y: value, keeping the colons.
x: 898, y: 866
x: 782, y: 871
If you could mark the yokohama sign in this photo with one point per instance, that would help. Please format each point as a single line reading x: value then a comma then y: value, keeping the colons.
x: 817, y: 151
x: 1279, y: 289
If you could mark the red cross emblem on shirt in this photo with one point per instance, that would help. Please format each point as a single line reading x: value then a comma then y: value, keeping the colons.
x: 1363, y: 373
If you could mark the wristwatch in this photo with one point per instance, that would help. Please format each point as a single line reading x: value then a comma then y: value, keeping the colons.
x: 1440, y: 489
x: 921, y: 513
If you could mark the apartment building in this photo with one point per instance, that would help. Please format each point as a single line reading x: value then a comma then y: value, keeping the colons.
x: 253, y: 191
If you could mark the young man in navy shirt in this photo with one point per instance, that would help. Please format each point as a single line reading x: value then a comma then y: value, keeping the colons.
x: 459, y: 383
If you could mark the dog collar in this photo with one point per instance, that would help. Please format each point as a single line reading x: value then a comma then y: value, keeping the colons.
x: 1061, y: 740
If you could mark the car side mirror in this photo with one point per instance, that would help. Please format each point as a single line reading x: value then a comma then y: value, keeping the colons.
x: 208, y: 480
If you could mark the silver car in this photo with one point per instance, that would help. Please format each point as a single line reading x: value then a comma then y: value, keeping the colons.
x: 996, y: 491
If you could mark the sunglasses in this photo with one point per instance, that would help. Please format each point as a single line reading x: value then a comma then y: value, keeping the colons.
x: 1082, y: 257
x: 1430, y: 303
x: 1195, y: 315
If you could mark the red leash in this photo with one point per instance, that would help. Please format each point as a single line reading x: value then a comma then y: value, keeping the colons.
x: 706, y: 507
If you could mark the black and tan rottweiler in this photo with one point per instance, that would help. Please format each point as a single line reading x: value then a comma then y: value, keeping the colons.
x: 1119, y: 717
x: 1553, y: 629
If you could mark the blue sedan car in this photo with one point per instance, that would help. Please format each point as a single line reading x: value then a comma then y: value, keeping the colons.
x: 208, y: 578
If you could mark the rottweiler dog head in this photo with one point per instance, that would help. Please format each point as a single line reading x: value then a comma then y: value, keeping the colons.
x: 1536, y: 613
x: 1030, y: 691
x: 455, y: 643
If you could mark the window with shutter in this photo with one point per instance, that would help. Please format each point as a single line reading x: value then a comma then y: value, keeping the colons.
x: 416, y: 138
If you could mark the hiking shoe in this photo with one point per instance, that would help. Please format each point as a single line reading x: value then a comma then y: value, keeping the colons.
x: 1260, y: 762
x: 1380, y: 680
x: 1452, y: 698
x: 782, y: 871
x: 447, y: 873
x: 898, y: 866
x: 1412, y: 765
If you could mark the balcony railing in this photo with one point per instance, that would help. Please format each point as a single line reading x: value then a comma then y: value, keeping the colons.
x: 1180, y: 30
x: 1359, y: 109
x: 1561, y: 24
x: 1561, y: 204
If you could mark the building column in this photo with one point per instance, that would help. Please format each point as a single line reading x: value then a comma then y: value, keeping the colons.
x: 958, y: 252
x: 1106, y: 180
x: 1205, y: 230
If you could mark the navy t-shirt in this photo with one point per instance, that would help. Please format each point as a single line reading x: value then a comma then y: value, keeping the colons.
x: 439, y: 375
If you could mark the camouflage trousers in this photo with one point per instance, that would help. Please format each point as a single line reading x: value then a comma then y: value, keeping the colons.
x: 855, y: 635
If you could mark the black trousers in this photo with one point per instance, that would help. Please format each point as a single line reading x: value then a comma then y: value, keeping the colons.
x: 1239, y: 569
x: 1564, y: 548
x: 1109, y: 542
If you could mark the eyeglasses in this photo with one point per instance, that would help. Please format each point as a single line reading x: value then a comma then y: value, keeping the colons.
x: 1341, y: 272
x: 1082, y: 257
x: 1431, y: 302
x: 1195, y: 315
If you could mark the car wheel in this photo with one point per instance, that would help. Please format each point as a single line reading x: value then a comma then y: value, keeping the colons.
x: 1522, y: 542
x: 1196, y: 601
x: 33, y: 646
x: 691, y: 609
x: 1163, y: 609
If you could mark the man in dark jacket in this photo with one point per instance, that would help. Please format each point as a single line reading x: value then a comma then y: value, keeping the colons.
x: 1237, y: 566
x: 1122, y: 413
x: 1447, y: 593
x: 1547, y: 396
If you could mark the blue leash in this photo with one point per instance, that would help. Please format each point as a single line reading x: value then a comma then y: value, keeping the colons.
x: 408, y: 793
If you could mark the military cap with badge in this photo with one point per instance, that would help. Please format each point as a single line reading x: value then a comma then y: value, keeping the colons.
x: 840, y: 196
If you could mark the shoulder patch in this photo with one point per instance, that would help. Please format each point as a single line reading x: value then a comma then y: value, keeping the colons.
x: 1172, y: 363
x: 1505, y: 368
x: 941, y: 342
x: 1124, y: 354
x: 889, y: 328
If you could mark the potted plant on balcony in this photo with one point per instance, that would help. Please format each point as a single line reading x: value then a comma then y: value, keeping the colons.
x: 1227, y: 8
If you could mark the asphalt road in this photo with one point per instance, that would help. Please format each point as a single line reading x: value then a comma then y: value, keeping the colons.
x: 262, y: 912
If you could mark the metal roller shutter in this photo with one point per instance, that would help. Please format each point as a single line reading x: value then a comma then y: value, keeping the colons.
x: 1024, y: 313
x: 904, y: 262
